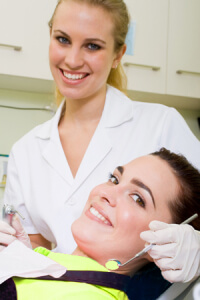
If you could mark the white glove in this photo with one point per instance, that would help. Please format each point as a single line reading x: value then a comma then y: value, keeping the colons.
x: 6, y: 235
x: 10, y: 233
x: 177, y: 250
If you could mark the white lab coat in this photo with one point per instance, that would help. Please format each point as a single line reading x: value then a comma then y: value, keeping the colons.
x: 40, y: 184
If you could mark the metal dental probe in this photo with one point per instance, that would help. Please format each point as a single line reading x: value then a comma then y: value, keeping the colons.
x: 114, y: 264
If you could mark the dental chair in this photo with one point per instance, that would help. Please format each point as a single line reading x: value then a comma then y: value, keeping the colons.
x: 179, y: 291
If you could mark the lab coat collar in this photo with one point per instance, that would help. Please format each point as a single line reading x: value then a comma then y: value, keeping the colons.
x: 50, y: 128
x: 118, y: 108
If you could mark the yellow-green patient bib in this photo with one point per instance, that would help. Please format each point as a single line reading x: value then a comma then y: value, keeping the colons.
x: 31, y: 289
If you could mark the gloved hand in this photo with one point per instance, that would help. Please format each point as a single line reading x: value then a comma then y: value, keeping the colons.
x: 10, y: 233
x: 177, y: 250
x: 6, y: 235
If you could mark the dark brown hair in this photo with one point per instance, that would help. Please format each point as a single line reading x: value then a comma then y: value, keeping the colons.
x: 188, y: 199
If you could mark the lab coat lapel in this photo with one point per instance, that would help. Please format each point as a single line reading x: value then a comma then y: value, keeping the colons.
x: 98, y: 149
x: 52, y: 150
x: 54, y: 155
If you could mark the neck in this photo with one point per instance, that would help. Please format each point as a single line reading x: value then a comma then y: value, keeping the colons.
x: 85, y: 110
x: 79, y: 252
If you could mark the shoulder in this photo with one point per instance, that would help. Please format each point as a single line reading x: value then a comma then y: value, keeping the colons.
x: 120, y: 106
x: 118, y: 98
x: 37, y: 135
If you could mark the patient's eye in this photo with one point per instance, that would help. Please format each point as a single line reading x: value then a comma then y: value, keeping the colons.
x: 138, y: 199
x: 113, y: 178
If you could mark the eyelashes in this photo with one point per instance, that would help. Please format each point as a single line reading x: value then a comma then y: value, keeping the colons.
x: 90, y: 46
x: 113, y: 178
x: 134, y: 196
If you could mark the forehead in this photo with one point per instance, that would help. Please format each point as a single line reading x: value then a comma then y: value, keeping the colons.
x: 148, y: 163
x: 87, y: 15
x: 155, y: 173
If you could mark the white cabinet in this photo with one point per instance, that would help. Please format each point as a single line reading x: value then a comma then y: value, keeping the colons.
x: 183, y: 75
x: 166, y: 56
x: 167, y: 40
x: 24, y: 24
x: 11, y: 25
x: 146, y: 69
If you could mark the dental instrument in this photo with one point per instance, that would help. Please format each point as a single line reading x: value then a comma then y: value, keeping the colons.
x: 8, y: 213
x: 114, y: 264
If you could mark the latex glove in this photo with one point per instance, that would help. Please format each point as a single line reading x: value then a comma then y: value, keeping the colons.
x: 6, y: 235
x: 177, y: 250
x: 10, y: 233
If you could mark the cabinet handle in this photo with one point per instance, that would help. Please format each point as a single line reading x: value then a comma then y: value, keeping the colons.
x: 187, y: 72
x: 154, y: 68
x: 16, y: 48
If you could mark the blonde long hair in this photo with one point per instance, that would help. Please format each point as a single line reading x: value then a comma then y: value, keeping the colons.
x: 118, y: 11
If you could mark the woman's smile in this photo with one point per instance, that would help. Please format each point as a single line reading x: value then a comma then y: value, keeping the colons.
x: 98, y: 216
x: 72, y: 78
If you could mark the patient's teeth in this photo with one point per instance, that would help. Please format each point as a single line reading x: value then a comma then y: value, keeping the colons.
x: 98, y: 215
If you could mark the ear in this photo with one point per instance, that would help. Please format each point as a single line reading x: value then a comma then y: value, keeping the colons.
x: 119, y: 56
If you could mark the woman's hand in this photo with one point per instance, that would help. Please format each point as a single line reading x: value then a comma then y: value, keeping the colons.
x: 9, y: 234
x: 177, y: 250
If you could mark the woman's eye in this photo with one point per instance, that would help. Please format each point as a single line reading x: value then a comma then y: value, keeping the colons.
x: 62, y: 40
x: 93, y: 46
x: 138, y: 200
x: 113, y: 179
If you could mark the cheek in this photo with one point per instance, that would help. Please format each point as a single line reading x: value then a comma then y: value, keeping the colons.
x: 55, y: 53
x: 133, y: 221
x: 101, y: 62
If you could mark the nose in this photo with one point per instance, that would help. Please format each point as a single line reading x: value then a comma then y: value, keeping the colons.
x: 74, y: 58
x: 111, y: 194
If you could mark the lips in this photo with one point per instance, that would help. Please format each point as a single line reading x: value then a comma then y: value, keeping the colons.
x: 99, y: 216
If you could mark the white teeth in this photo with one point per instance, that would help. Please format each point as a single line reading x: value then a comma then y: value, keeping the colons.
x: 73, y: 76
x: 98, y: 215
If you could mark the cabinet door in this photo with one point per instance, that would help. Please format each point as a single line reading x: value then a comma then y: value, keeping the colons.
x: 183, y: 76
x: 146, y: 69
x: 25, y: 24
x: 12, y: 25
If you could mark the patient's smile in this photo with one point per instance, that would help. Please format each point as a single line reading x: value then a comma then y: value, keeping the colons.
x: 97, y: 214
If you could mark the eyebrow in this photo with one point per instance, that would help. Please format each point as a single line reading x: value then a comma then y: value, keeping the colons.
x: 86, y: 40
x: 143, y: 186
x: 120, y: 169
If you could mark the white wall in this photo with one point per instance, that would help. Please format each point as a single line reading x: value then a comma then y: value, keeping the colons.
x: 15, y: 123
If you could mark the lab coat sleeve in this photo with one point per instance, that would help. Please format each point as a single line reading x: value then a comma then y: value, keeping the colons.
x: 177, y: 137
x: 13, y: 194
